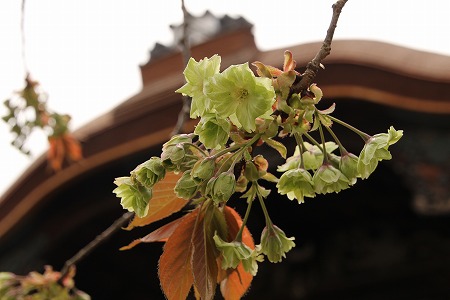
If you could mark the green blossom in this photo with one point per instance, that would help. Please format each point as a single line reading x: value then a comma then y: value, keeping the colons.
x: 222, y: 187
x: 173, y: 157
x: 203, y: 170
x: 375, y: 150
x: 134, y: 196
x: 176, y: 154
x: 348, y: 166
x: 313, y: 156
x: 235, y: 252
x: 236, y: 91
x: 296, y: 184
x: 178, y: 139
x: 186, y: 186
x: 275, y: 244
x: 197, y: 74
x: 328, y: 179
x: 149, y: 172
x: 213, y: 131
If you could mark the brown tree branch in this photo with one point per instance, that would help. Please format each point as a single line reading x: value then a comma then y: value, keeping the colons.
x: 184, y: 113
x: 86, y: 250
x: 314, y: 65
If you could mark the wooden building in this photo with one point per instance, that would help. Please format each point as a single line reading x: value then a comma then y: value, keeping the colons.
x: 386, y: 238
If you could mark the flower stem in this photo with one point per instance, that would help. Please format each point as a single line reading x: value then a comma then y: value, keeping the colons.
x: 299, y: 140
x: 238, y: 237
x: 255, y: 138
x: 202, y: 151
x: 264, y: 208
x: 341, y: 147
x: 362, y: 134
x: 324, y: 150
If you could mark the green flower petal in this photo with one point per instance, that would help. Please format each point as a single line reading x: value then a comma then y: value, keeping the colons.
x: 275, y: 244
x: 328, y: 179
x: 375, y: 150
x: 213, y: 131
x: 237, y: 91
x: 134, y: 197
x: 197, y: 74
x: 296, y: 184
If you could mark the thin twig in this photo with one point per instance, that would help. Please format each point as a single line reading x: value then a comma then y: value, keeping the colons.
x: 86, y: 250
x: 314, y: 65
x: 22, y: 33
x: 186, y: 53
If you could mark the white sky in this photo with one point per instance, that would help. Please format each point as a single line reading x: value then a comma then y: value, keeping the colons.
x: 86, y: 53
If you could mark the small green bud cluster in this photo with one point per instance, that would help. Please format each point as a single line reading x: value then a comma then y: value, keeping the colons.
x: 135, y: 191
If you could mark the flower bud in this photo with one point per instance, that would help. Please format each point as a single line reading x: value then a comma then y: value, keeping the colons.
x: 177, y: 139
x: 275, y: 244
x: 186, y: 186
x: 149, y: 172
x: 172, y: 157
x: 241, y: 184
x: 220, y: 188
x: 251, y: 172
x: 203, y: 170
x: 261, y: 164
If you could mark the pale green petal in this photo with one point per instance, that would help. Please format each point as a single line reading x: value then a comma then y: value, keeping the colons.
x: 213, y: 131
x: 133, y: 197
x: 236, y: 91
x: 196, y: 74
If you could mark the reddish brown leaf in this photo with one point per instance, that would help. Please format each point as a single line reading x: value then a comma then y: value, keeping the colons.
x: 163, y: 203
x: 205, y: 253
x: 238, y: 281
x: 161, y: 234
x: 175, y: 272
x: 236, y: 284
x: 234, y: 223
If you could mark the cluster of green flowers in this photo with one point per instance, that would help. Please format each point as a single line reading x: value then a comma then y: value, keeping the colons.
x: 239, y: 111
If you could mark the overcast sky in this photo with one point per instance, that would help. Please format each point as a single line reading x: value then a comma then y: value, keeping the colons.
x: 86, y: 53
